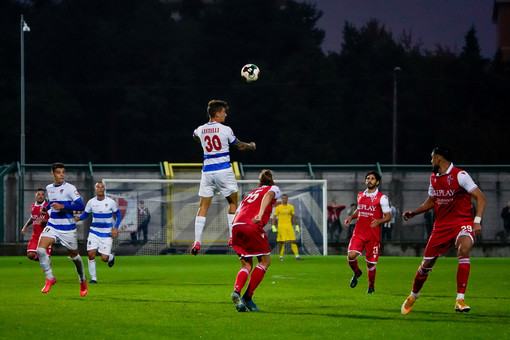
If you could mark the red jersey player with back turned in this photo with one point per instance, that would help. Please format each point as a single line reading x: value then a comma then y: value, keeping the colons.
x: 373, y: 210
x: 249, y: 239
x: 38, y: 219
x: 450, y: 193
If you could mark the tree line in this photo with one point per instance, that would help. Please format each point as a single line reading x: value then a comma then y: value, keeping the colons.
x: 127, y: 81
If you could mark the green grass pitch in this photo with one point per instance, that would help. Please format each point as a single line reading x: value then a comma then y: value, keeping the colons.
x: 187, y: 297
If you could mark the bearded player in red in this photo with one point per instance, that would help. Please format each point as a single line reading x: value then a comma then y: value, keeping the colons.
x: 372, y: 211
x: 450, y: 193
x: 38, y: 220
x: 249, y: 239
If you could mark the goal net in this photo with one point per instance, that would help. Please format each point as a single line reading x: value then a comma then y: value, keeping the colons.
x: 173, y: 205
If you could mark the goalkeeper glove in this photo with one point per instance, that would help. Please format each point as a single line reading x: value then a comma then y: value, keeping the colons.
x: 273, y: 228
x: 195, y: 249
x: 297, y: 228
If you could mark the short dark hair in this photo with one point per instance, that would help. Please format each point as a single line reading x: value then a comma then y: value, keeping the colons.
x: 266, y: 177
x: 216, y: 105
x: 57, y: 165
x: 445, y: 152
x: 40, y: 189
x: 376, y: 175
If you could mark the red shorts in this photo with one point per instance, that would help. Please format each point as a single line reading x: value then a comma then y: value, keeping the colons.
x: 443, y: 238
x: 32, y: 244
x: 371, y: 246
x: 249, y: 240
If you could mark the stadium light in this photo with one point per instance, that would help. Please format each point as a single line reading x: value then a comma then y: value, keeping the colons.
x: 23, y: 28
x: 394, y: 157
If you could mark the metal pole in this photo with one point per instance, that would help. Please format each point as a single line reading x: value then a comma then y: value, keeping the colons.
x: 394, y: 153
x: 22, y: 144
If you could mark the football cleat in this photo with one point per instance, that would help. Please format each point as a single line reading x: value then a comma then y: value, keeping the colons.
x: 112, y: 262
x: 252, y: 306
x: 92, y: 281
x: 460, y: 306
x: 299, y: 259
x: 195, y: 248
x: 48, y: 285
x: 281, y: 258
x: 239, y: 302
x: 408, y: 305
x: 83, y: 288
x: 370, y: 290
x: 354, y: 280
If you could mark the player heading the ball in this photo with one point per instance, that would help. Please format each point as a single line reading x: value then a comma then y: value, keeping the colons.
x: 217, y: 174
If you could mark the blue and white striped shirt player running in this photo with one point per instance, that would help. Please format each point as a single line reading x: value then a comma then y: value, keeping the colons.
x: 67, y: 195
x: 102, y: 216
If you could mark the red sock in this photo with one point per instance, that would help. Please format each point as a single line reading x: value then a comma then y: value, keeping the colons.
x: 421, y: 276
x: 463, y: 274
x: 256, y: 277
x: 371, y: 274
x: 241, y: 278
x: 354, y: 265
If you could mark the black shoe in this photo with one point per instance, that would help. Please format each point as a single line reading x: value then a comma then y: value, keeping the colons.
x: 370, y: 290
x: 354, y: 280
x: 112, y: 262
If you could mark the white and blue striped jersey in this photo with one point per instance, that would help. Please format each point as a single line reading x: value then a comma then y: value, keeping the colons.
x: 102, y: 216
x: 215, y: 139
x: 67, y: 195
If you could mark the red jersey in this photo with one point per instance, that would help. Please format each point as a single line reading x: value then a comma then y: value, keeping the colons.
x: 334, y: 212
x: 370, y: 206
x: 451, y: 193
x: 250, y: 206
x: 37, y: 216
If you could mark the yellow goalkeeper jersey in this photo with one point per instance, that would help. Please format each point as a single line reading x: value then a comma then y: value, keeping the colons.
x: 284, y: 213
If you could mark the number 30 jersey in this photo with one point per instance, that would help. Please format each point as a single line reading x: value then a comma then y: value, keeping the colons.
x: 215, y: 139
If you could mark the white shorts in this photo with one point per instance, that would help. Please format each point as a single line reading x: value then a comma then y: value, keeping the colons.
x: 102, y: 244
x: 223, y: 182
x: 68, y: 238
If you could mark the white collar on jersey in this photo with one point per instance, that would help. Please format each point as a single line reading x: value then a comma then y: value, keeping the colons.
x: 365, y: 193
x: 447, y: 171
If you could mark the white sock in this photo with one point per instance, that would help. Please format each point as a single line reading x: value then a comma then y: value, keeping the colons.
x: 417, y: 295
x: 230, y: 218
x: 92, y: 269
x: 460, y: 296
x: 78, y: 263
x: 45, y: 262
x: 199, y: 228
x: 110, y: 257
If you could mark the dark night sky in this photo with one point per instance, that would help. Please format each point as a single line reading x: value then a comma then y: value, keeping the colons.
x: 432, y: 21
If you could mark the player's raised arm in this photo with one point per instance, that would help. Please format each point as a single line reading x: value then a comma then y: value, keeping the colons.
x: 242, y: 146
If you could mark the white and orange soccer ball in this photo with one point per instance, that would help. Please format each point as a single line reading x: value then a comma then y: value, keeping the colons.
x: 250, y: 72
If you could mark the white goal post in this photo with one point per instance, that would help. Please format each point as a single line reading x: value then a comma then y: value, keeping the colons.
x: 173, y: 205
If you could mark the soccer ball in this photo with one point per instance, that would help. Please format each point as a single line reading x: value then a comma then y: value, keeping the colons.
x: 250, y: 72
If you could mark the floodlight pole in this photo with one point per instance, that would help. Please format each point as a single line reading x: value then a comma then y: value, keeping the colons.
x: 394, y: 157
x: 23, y: 28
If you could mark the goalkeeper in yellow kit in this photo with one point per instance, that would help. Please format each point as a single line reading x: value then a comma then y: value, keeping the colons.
x: 286, y: 217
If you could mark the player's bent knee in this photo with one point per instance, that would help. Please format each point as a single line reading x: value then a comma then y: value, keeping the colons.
x: 352, y: 255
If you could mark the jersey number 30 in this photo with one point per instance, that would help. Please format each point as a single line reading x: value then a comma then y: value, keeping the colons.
x: 212, y: 143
